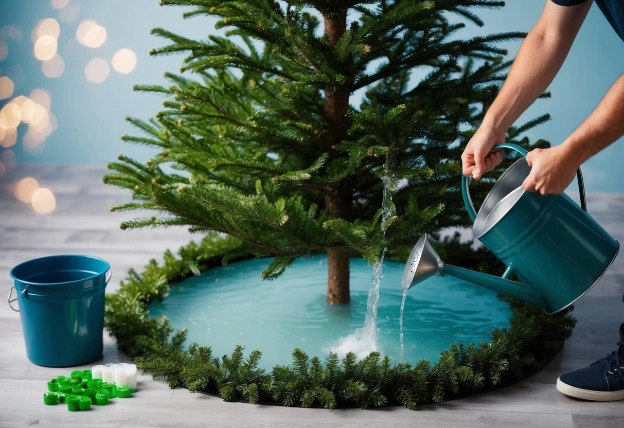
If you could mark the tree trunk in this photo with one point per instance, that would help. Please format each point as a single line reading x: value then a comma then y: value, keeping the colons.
x: 339, y: 200
x: 338, y: 276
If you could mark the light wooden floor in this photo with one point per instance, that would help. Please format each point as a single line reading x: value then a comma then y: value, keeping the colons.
x: 83, y: 224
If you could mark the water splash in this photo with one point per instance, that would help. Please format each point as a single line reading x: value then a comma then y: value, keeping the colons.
x: 365, y: 340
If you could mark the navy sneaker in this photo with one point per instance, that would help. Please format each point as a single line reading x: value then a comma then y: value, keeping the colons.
x: 600, y: 381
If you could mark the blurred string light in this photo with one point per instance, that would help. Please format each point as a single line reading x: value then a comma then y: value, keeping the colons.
x: 46, y: 27
x: 124, y: 61
x: 41, y: 199
x: 9, y: 137
x: 45, y: 48
x: 59, y: 4
x: 97, y: 70
x: 90, y: 34
x: 67, y: 12
x: 6, y: 87
x: 43, y: 97
x: 53, y: 67
x: 45, y: 39
x: 33, y: 113
x: 25, y: 188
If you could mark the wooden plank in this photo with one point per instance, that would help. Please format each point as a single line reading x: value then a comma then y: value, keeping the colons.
x: 584, y: 421
x: 156, y: 406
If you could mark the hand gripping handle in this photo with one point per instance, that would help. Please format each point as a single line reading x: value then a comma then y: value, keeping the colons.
x: 466, y: 182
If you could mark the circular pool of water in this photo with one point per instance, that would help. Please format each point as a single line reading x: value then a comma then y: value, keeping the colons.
x: 231, y: 305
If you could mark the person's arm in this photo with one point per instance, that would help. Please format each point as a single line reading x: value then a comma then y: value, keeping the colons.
x: 539, y: 59
x: 553, y: 169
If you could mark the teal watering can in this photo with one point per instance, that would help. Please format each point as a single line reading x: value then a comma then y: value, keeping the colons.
x: 557, y: 249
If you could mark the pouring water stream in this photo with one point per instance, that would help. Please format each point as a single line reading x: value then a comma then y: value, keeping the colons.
x: 364, y: 340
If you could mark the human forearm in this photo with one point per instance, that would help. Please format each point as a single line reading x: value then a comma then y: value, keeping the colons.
x: 601, y: 128
x: 553, y: 169
x: 539, y: 59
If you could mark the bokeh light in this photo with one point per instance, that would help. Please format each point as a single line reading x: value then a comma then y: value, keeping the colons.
x: 33, y: 141
x: 6, y: 87
x: 45, y: 47
x: 43, y: 201
x: 25, y: 188
x: 124, y: 61
x: 4, y: 50
x: 8, y: 138
x: 38, y: 117
x: 91, y: 34
x: 41, y: 96
x: 46, y: 27
x: 59, y: 4
x: 10, y: 116
x: 28, y: 107
x: 32, y: 111
x: 11, y: 31
x: 97, y: 70
x: 53, y: 67
x: 3, y: 169
x: 69, y: 13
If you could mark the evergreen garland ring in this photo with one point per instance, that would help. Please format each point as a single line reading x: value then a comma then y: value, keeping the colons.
x: 532, y: 339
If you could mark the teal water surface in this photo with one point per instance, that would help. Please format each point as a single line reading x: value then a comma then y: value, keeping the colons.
x: 232, y: 305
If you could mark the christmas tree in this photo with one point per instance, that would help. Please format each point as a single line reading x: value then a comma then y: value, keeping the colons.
x: 287, y: 128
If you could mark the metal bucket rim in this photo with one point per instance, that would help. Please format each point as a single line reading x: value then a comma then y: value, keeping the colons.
x: 26, y: 282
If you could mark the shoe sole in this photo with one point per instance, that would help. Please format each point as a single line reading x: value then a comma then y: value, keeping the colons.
x: 588, y: 394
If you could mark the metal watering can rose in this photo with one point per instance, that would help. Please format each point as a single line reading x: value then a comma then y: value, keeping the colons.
x: 557, y: 249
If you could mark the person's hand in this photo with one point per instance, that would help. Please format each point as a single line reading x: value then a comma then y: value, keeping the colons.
x: 552, y: 170
x: 477, y: 158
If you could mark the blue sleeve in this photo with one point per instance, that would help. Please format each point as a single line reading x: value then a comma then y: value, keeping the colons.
x: 568, y: 2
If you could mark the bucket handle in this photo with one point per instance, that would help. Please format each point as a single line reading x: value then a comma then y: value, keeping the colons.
x: 10, y: 301
x: 466, y: 182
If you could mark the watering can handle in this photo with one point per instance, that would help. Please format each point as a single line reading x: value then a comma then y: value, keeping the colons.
x: 466, y: 181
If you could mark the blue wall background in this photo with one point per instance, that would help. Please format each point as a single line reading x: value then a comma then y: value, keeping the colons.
x: 91, y: 116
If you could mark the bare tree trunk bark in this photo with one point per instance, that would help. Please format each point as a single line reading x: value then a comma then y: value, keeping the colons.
x: 338, y: 200
x: 338, y: 276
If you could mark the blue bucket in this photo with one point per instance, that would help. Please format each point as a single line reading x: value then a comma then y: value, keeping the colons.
x: 61, y: 305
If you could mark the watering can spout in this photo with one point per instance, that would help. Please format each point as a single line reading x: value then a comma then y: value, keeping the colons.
x: 424, y: 262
